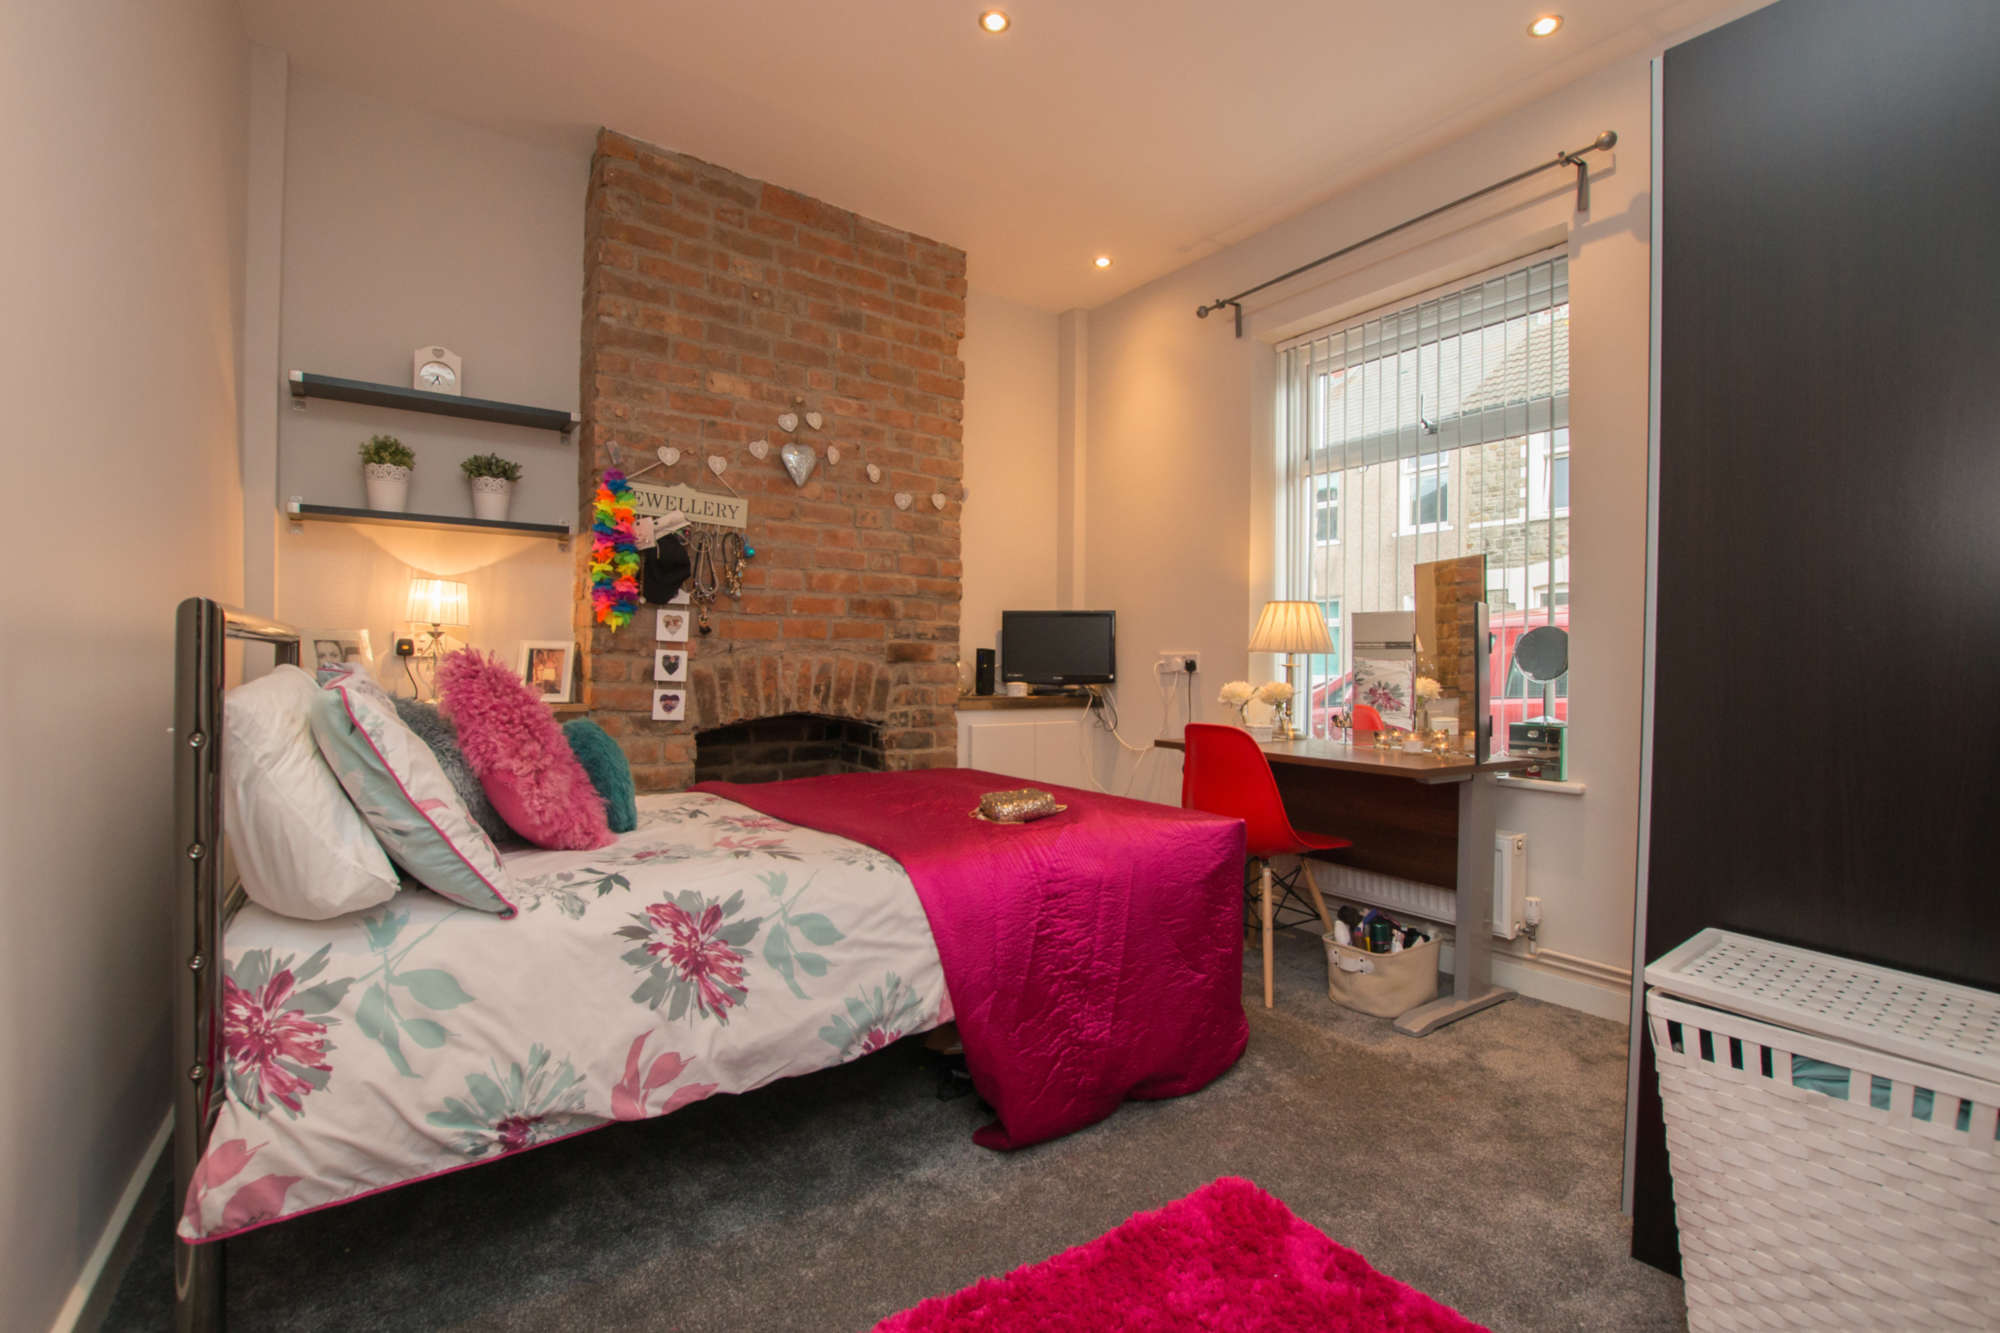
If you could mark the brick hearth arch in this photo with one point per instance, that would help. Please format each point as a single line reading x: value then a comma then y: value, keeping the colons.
x: 741, y: 687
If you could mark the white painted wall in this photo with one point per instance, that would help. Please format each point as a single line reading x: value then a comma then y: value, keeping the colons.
x: 401, y: 227
x: 120, y: 259
x: 1179, y: 490
x: 1009, y: 529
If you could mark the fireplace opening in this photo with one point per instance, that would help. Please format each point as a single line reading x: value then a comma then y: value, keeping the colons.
x: 791, y: 745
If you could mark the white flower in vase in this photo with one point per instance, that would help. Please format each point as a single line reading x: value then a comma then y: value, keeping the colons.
x: 1236, y: 694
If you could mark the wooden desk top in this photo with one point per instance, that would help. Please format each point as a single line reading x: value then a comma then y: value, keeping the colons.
x: 1350, y: 758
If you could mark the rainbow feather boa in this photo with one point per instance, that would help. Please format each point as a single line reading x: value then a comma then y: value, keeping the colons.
x: 614, y: 552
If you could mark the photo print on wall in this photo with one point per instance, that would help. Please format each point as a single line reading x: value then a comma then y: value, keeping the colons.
x: 669, y: 705
x: 670, y: 664
x: 670, y: 625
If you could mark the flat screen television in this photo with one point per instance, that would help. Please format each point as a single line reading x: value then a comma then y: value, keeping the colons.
x: 1059, y: 647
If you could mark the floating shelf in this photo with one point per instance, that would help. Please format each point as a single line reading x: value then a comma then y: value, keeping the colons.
x: 307, y: 385
x: 297, y: 511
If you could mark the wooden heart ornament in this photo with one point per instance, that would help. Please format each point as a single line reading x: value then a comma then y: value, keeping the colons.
x: 937, y: 499
x: 788, y: 422
x: 815, y: 420
x: 717, y: 464
x: 904, y: 499
x: 874, y: 473
x: 760, y: 449
x: 799, y: 461
x: 833, y: 453
x: 669, y: 455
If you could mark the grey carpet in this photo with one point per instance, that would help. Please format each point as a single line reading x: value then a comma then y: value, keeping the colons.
x: 1480, y: 1164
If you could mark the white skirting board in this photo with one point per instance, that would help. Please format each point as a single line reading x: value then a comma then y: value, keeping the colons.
x: 114, y: 1228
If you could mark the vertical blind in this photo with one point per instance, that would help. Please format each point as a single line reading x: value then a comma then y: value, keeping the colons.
x: 1427, y: 430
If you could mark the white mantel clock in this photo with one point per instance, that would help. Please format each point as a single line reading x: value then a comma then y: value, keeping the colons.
x: 436, y: 369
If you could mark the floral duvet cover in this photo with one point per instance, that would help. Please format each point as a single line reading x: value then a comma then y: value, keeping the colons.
x: 713, y: 949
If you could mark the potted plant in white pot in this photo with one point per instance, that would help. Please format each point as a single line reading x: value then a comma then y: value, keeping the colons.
x: 385, y: 468
x: 492, y: 479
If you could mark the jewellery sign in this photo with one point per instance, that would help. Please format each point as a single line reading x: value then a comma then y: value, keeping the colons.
x: 728, y: 511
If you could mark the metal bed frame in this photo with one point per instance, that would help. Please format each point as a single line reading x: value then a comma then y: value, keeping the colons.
x: 206, y: 895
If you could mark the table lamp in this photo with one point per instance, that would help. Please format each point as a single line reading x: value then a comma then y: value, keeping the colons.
x: 1291, y: 628
x: 437, y: 603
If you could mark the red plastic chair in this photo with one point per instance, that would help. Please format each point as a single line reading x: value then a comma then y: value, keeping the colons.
x: 1224, y: 773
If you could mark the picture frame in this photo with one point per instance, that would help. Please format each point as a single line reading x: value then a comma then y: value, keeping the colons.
x: 670, y: 625
x: 670, y: 664
x: 549, y: 667
x: 669, y: 705
x: 320, y: 649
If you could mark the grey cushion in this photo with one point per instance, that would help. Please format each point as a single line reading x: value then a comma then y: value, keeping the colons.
x: 436, y: 731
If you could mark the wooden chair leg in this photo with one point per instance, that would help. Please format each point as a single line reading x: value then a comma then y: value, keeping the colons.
x: 1264, y: 910
x: 1312, y: 890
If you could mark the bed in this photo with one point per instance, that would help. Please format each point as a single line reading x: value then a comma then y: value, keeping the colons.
x: 737, y: 936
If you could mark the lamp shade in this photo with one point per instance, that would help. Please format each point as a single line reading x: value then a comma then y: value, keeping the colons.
x: 1291, y: 627
x: 438, y: 602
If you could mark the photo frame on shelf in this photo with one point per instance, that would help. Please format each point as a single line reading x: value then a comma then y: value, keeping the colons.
x: 670, y: 664
x: 320, y: 649
x: 669, y: 705
x: 549, y: 667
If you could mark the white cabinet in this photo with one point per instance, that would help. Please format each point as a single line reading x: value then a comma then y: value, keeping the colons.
x: 1034, y: 744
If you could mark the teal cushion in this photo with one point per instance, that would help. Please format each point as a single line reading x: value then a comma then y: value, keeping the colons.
x: 609, y: 772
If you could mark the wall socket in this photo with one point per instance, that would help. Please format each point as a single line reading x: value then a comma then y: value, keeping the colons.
x: 1173, y: 661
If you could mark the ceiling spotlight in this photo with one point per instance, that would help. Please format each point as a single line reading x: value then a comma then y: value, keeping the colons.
x: 1102, y: 261
x: 1545, y: 25
x: 996, y: 21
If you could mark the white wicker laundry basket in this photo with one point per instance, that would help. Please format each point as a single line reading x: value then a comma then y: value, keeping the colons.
x: 1798, y: 1209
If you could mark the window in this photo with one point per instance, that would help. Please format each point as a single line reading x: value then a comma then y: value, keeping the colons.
x: 1326, y: 512
x: 1424, y: 493
x: 1548, y: 474
x: 1433, y: 429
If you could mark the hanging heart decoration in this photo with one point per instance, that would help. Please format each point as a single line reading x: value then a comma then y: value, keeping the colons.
x: 937, y: 499
x: 788, y: 422
x: 815, y: 420
x: 799, y: 461
x: 833, y: 453
x: 717, y: 464
x: 904, y: 499
x: 760, y: 449
x: 669, y: 455
x: 874, y: 473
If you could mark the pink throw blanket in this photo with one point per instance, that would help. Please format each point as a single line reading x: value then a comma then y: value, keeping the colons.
x: 1091, y: 956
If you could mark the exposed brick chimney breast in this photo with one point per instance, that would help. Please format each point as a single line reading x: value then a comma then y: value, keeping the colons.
x: 712, y: 304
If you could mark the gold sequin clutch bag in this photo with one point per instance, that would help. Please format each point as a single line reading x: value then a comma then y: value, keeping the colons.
x: 1018, y: 806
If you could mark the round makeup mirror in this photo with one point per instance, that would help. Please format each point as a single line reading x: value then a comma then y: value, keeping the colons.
x: 1543, y: 653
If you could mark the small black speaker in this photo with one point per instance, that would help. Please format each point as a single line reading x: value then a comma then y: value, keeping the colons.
x: 982, y: 670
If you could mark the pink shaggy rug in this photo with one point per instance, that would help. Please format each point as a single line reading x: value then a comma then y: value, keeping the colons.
x: 1229, y: 1258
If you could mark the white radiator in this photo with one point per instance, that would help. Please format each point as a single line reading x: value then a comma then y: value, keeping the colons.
x: 1510, y: 883
x: 1428, y: 902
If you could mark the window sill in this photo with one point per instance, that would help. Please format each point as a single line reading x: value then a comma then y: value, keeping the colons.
x: 1512, y: 783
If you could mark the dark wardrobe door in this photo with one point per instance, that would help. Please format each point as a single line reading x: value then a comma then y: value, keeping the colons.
x: 1827, y: 705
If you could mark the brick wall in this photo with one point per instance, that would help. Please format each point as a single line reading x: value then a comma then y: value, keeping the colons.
x: 713, y: 303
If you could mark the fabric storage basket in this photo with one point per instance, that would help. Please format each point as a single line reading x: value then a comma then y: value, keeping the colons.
x: 1805, y: 1208
x: 1386, y: 985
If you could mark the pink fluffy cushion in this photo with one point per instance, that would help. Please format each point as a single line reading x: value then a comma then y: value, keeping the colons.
x: 518, y: 753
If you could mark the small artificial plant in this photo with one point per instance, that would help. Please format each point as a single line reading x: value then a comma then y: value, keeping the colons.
x: 491, y: 465
x: 387, y: 449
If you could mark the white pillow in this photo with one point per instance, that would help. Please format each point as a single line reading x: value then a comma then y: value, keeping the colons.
x: 301, y: 846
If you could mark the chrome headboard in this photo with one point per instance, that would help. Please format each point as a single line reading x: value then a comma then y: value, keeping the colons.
x: 202, y: 631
